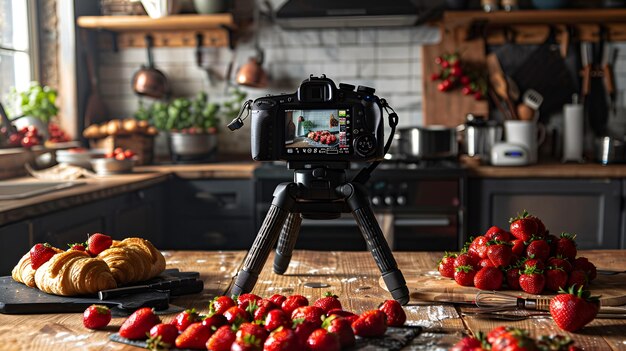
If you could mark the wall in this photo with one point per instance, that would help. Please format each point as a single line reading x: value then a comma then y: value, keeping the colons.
x: 386, y: 59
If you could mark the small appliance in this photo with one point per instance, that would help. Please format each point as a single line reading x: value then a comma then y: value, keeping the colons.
x: 507, y: 154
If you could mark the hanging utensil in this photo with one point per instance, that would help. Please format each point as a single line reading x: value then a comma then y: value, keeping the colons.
x: 252, y: 74
x: 149, y: 81
x: 95, y: 110
x: 211, y: 75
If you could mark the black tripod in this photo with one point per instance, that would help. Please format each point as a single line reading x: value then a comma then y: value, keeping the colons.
x: 318, y: 192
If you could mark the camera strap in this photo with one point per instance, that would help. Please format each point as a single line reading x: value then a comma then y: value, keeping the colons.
x: 364, y: 175
x: 237, y: 122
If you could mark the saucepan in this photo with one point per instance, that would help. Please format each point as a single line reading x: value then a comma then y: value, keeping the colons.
x: 427, y: 142
x: 149, y: 81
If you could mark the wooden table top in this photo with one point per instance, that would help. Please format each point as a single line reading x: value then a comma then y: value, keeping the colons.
x: 351, y: 275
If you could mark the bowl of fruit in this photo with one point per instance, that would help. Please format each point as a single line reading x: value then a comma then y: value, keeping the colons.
x: 117, y: 162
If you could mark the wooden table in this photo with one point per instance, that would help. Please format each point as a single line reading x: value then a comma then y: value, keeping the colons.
x: 351, y: 275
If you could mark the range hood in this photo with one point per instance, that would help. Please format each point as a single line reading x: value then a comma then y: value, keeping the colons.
x: 300, y: 14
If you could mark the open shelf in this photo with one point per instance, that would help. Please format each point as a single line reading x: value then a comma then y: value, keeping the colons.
x: 562, y: 16
x: 145, y: 23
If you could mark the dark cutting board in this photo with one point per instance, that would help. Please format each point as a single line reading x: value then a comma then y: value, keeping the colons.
x: 17, y: 298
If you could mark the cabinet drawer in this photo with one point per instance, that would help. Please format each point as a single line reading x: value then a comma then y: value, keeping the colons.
x: 210, y: 234
x: 214, y: 198
x: 14, y: 240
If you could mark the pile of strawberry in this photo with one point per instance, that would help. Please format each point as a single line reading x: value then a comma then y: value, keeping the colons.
x: 252, y: 323
x: 40, y: 253
x: 510, y: 338
x: 527, y: 257
x: 322, y: 136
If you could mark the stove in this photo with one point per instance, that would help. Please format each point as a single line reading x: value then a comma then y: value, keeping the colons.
x: 421, y: 206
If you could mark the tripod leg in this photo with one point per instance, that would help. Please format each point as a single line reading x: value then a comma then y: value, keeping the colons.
x: 265, y: 240
x: 286, y: 242
x: 359, y: 204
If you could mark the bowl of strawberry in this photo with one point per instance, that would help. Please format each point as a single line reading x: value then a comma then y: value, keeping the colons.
x: 117, y: 162
x: 527, y: 257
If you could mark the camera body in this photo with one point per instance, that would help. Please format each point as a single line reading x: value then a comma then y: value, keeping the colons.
x: 319, y: 122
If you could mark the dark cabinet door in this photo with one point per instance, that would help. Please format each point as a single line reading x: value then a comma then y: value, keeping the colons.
x: 140, y: 215
x: 15, y: 242
x: 589, y: 208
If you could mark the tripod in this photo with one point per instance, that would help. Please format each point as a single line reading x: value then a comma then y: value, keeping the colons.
x: 318, y: 192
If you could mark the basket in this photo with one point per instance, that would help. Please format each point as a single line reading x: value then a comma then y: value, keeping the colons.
x: 140, y: 144
x: 121, y: 8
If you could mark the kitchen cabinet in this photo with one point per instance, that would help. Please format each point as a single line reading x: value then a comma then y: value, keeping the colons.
x: 14, y: 241
x: 140, y: 214
x: 589, y: 208
x: 210, y: 214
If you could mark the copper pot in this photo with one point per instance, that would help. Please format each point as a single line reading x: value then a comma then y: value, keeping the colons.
x: 252, y: 74
x: 149, y: 81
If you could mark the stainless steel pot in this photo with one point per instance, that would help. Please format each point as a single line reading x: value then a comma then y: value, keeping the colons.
x: 192, y: 146
x: 427, y: 143
x: 610, y: 150
x: 478, y: 136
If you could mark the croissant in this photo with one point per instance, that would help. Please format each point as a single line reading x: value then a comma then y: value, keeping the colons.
x: 132, y: 260
x: 23, y: 272
x: 74, y: 272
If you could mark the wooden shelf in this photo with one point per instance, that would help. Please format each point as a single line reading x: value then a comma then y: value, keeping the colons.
x: 145, y: 23
x: 565, y: 16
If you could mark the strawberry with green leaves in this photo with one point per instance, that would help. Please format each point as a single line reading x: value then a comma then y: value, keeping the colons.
x: 185, y: 319
x: 464, y: 259
x: 292, y: 302
x: 512, y: 276
x: 500, y: 253
x: 281, y: 339
x: 556, y: 278
x: 236, y: 315
x: 96, y: 243
x: 309, y: 314
x: 464, y: 275
x: 518, y: 248
x: 250, y: 336
x: 220, y: 304
x: 583, y: 264
x: 574, y: 308
x: 497, y: 233
x: 77, y: 246
x: 96, y: 317
x: 278, y: 299
x: 328, y: 302
x: 370, y: 324
x: 539, y: 249
x: 394, y: 312
x: 194, y: 337
x: 513, y: 339
x: 446, y: 265
x: 137, y: 326
x: 222, y: 339
x: 532, y: 280
x: 341, y: 327
x: 303, y: 329
x: 162, y: 336
x: 489, y: 278
x: 276, y: 318
x: 40, y: 254
x: 478, y: 247
x: 214, y: 321
x: 523, y: 226
x: 244, y: 300
x: 566, y: 246
x: 560, y: 262
x: 322, y: 340
x: 261, y: 309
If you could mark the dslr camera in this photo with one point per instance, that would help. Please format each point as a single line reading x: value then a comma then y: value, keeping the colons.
x: 319, y: 122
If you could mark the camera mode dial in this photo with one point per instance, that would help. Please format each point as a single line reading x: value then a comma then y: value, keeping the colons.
x: 365, y: 145
x: 365, y: 90
x: 348, y: 87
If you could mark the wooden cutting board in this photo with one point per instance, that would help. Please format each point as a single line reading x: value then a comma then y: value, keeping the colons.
x: 428, y: 285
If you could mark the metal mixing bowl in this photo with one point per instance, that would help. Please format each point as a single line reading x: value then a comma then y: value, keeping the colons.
x: 109, y: 166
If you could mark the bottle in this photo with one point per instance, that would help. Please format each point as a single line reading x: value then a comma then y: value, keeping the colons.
x: 489, y: 5
x: 510, y: 5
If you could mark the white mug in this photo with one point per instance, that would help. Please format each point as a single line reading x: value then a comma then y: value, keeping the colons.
x: 528, y: 134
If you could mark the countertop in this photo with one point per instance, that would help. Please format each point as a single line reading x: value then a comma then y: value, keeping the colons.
x: 353, y: 276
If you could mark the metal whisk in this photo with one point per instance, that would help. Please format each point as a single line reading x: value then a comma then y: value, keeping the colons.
x: 495, y: 301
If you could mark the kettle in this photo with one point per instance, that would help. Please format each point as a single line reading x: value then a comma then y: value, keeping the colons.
x: 479, y: 135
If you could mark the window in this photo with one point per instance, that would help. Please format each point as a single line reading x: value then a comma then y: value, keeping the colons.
x: 17, y: 52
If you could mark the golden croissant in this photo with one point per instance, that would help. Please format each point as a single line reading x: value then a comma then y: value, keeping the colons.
x: 74, y: 272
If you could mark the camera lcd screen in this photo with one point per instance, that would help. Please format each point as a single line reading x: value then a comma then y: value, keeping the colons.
x: 324, y: 131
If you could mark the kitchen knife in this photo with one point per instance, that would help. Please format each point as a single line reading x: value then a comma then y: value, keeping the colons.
x: 173, y: 281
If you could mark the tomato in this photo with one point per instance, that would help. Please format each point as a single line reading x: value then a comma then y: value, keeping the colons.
x: 129, y: 153
x: 118, y: 150
x: 120, y: 156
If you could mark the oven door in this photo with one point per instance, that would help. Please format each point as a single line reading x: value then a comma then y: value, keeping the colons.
x: 424, y: 232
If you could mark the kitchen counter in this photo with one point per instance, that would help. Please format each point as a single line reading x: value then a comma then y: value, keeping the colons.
x: 353, y: 276
x: 550, y: 170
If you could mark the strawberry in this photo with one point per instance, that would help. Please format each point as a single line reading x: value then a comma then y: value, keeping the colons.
x: 220, y: 304
x: 552, y: 240
x: 583, y: 264
x: 162, y: 336
x: 489, y: 278
x: 185, y: 319
x: 341, y: 327
x: 485, y: 262
x: 533, y: 262
x: 328, y: 302
x: 556, y: 342
x: 97, y: 243
x: 578, y: 278
x: 322, y: 340
x: 465, y: 259
x: 78, y: 246
x: 466, y: 344
x: 303, y: 330
x: 478, y: 247
x: 96, y: 317
x: 222, y: 339
x: 519, y: 247
x: 573, y: 309
x: 139, y: 324
x: 560, y: 262
x: 556, y: 278
x: 539, y: 249
x: 446, y: 265
x: 513, y: 339
x: 236, y: 315
x: 292, y: 302
x: 541, y: 228
x: 263, y: 307
x: 500, y: 253
x: 394, y: 312
x: 566, y: 246
x: 532, y: 280
x: 40, y: 254
x: 310, y: 314
x: 244, y: 300
x: 497, y: 332
x: 250, y: 336
x: 497, y: 233
x: 523, y: 226
x: 281, y: 339
x: 370, y: 324
x: 194, y: 337
x: 215, y: 321
x: 277, y: 318
x: 278, y: 299
x: 341, y: 313
x: 512, y: 278
x: 464, y: 275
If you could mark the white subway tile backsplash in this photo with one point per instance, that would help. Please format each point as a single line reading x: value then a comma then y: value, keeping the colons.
x: 386, y: 86
x: 340, y: 70
x: 366, y: 69
x: 393, y: 36
x: 425, y: 35
x: 366, y: 36
x: 322, y: 54
x: 393, y: 52
x: 393, y: 69
x: 285, y: 54
x: 347, y: 36
x: 351, y: 53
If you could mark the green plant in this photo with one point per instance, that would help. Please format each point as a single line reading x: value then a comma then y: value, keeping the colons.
x: 38, y: 101
x: 231, y: 107
x: 308, y: 125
